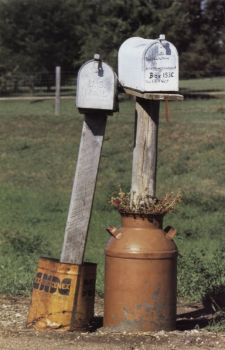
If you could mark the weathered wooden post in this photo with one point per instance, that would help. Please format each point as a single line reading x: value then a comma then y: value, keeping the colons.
x: 63, y: 293
x: 57, y: 90
x: 144, y: 166
x: 140, y: 249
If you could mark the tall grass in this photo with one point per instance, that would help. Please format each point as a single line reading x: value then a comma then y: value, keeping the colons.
x: 37, y: 162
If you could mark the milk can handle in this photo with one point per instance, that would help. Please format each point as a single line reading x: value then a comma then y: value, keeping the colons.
x: 170, y: 232
x: 114, y: 232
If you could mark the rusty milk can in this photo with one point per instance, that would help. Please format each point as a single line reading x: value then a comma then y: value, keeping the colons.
x: 140, y: 275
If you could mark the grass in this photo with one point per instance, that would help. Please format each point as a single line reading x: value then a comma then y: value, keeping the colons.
x: 203, y: 84
x: 37, y: 162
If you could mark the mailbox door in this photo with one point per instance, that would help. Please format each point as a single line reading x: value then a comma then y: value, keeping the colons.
x: 96, y: 86
x: 161, y: 67
x: 130, y: 62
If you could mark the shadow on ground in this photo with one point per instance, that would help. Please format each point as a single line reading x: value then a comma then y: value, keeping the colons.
x: 199, y: 318
x: 196, y: 319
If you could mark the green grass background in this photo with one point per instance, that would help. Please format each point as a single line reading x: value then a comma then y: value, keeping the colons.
x: 38, y: 154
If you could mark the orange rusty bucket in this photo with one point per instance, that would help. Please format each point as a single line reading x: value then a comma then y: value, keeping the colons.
x: 140, y: 276
x: 63, y: 295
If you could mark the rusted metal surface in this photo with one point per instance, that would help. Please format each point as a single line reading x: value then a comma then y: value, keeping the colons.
x: 63, y: 295
x: 140, y: 276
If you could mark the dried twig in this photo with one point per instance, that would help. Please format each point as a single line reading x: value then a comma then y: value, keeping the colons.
x: 146, y: 204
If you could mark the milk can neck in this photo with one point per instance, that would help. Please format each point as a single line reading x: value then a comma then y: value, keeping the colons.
x: 142, y: 221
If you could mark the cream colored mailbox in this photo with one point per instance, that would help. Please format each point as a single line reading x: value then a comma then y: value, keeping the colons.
x: 148, y: 65
x: 96, y: 86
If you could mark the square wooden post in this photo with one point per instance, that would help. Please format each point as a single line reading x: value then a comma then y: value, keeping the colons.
x: 144, y: 168
x: 83, y: 188
x: 145, y: 149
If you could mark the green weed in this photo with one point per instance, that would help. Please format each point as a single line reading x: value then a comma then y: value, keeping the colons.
x: 199, y: 275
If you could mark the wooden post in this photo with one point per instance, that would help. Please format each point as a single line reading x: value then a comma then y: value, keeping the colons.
x: 83, y: 188
x: 146, y: 141
x: 57, y: 90
x: 145, y: 150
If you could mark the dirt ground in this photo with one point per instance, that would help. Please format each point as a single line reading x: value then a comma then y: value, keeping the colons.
x: 190, y: 334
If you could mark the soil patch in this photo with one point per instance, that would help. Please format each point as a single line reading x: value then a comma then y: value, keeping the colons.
x: 190, y: 334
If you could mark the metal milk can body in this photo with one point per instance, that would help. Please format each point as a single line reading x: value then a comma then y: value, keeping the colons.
x: 140, y: 276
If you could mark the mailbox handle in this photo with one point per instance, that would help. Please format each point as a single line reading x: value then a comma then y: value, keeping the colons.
x: 97, y: 59
x: 162, y: 37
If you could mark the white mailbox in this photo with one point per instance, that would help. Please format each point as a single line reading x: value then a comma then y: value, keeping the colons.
x: 96, y: 86
x: 148, y: 65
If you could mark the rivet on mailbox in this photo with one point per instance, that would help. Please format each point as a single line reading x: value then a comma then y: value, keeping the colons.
x: 148, y: 65
x: 96, y: 86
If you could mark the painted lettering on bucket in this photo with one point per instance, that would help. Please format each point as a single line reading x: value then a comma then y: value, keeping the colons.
x: 52, y: 284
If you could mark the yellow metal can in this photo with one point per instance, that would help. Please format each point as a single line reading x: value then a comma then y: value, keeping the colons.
x: 63, y: 295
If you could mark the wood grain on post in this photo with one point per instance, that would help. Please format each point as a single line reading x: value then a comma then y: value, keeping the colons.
x: 83, y: 188
x: 145, y: 149
x: 57, y: 89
